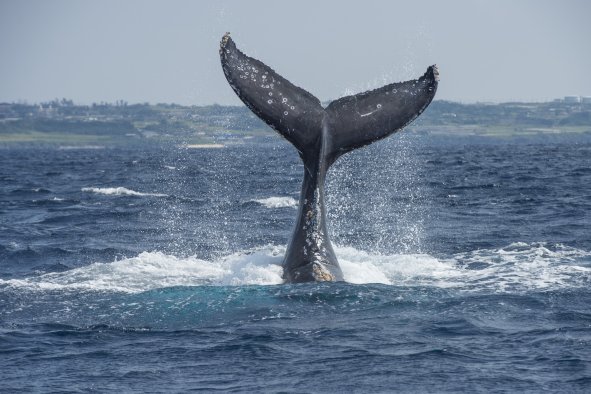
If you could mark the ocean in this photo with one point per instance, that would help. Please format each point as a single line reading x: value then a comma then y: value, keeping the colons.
x: 153, y: 268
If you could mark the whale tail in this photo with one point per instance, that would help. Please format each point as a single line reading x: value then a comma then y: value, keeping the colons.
x: 321, y: 135
x: 351, y: 122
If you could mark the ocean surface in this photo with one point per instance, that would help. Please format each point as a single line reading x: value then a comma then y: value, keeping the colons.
x: 157, y: 269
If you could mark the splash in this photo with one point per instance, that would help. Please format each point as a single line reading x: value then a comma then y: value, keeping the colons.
x: 519, y: 267
x: 514, y: 268
x: 379, y: 189
x: 152, y: 270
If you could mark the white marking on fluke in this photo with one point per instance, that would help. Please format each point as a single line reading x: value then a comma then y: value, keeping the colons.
x: 367, y: 114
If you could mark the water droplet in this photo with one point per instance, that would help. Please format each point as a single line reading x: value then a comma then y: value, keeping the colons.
x: 292, y: 107
x: 264, y: 77
x: 394, y: 90
x: 284, y: 100
x: 379, y: 105
x: 270, y: 101
x: 246, y: 73
x: 285, y: 113
x: 270, y: 93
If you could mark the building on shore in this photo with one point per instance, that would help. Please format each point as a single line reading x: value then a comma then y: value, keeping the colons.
x: 572, y: 99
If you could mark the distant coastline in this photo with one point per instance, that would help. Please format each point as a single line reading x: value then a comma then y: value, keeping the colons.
x: 64, y: 123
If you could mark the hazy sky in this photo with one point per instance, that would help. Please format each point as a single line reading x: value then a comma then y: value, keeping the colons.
x: 167, y: 51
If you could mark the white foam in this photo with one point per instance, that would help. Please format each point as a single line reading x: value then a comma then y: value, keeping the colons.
x: 119, y: 191
x: 278, y: 202
x: 517, y: 267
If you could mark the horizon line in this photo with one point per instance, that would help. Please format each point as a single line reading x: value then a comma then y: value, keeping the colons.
x: 69, y: 102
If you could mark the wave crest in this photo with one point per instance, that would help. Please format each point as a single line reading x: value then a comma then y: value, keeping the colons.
x: 278, y: 202
x: 119, y: 191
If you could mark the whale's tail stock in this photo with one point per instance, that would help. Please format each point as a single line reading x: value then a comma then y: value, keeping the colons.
x: 321, y: 135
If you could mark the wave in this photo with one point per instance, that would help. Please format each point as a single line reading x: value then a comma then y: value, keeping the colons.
x: 120, y: 191
x: 278, y: 202
x: 515, y: 268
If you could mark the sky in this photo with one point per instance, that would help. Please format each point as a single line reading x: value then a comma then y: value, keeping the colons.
x: 167, y: 51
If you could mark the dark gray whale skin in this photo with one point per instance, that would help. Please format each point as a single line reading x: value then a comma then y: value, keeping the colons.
x: 321, y: 136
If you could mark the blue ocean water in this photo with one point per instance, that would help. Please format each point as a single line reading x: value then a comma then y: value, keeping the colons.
x: 157, y: 269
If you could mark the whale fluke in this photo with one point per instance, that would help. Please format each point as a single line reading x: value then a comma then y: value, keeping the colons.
x: 321, y: 136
